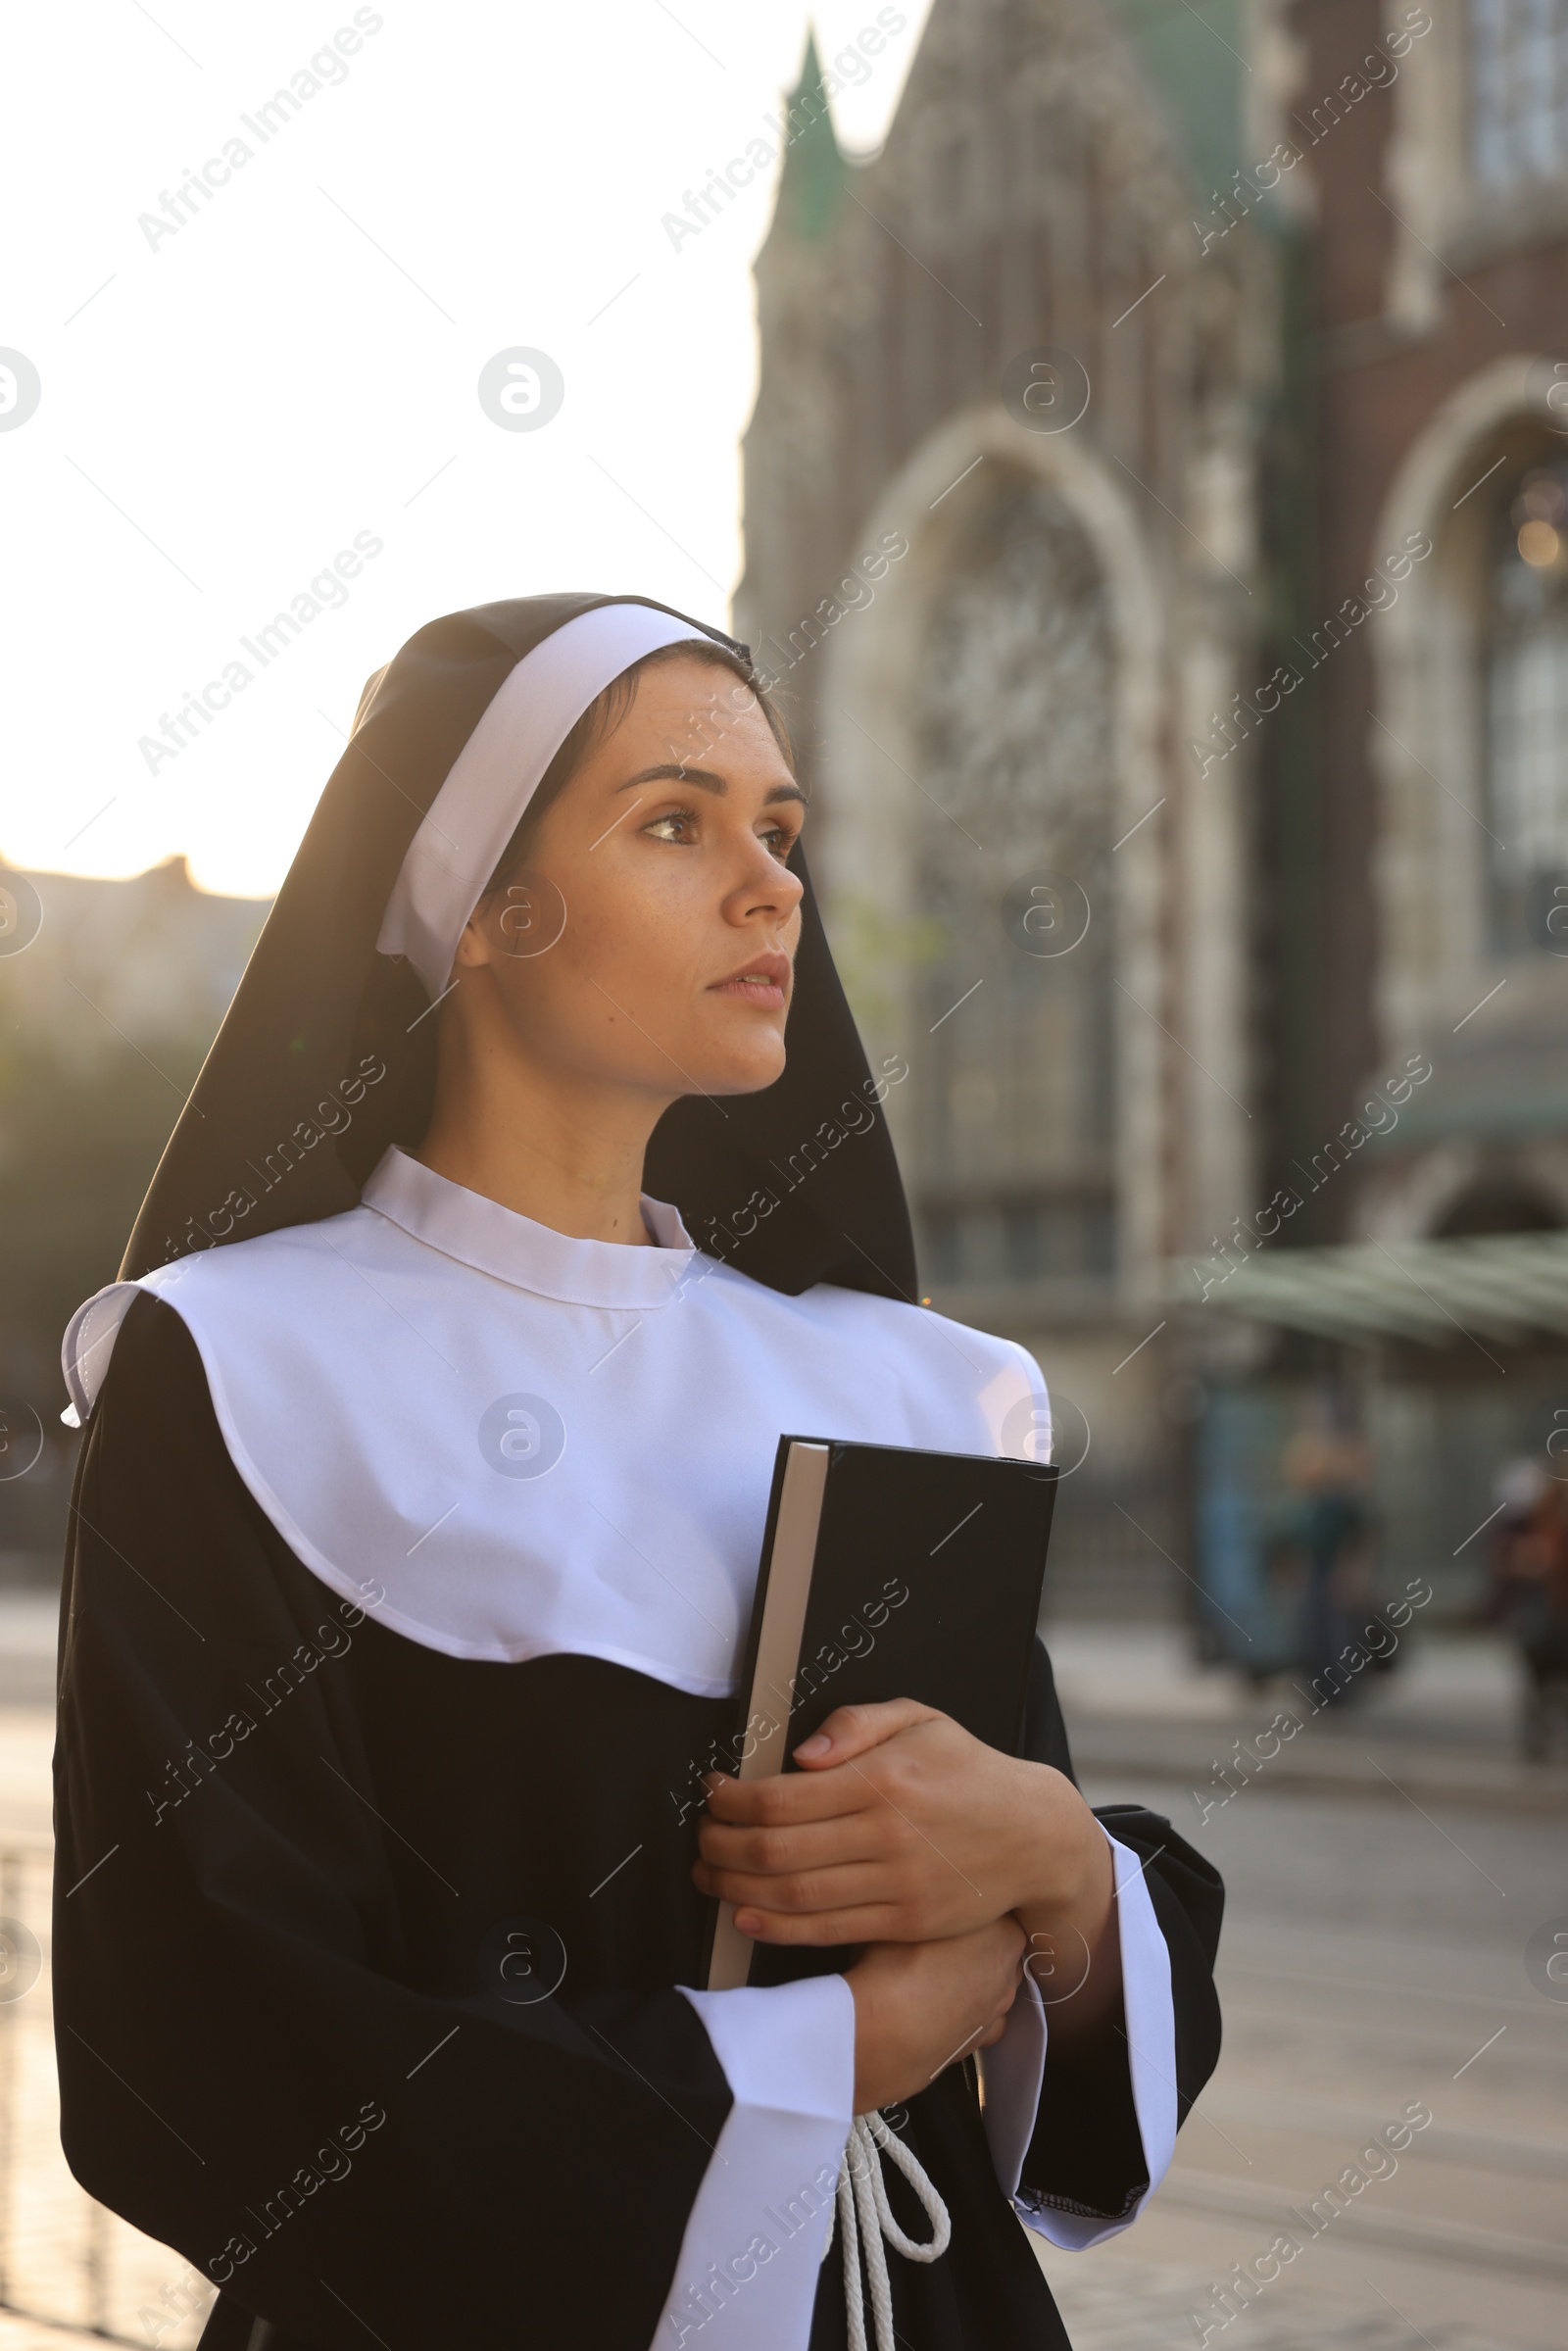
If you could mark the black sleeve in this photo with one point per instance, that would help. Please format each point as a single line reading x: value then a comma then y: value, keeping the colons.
x: 1086, y: 2154
x: 245, y: 2070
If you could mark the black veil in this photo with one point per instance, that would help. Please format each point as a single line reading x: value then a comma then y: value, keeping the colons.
x: 324, y: 1058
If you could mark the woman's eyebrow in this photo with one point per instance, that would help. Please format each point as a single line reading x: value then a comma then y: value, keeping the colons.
x: 705, y: 780
x: 703, y: 777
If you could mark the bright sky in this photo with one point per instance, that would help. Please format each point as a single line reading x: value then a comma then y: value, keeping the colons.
x: 225, y: 409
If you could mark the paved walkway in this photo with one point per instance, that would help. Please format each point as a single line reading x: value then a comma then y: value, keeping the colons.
x: 1122, y: 2305
x: 1373, y: 1960
x: 1442, y: 1725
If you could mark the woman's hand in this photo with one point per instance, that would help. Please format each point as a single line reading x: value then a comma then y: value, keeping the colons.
x: 920, y: 2007
x: 898, y: 1828
x: 902, y: 1827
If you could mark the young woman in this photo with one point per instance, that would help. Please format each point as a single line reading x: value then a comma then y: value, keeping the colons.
x: 412, y: 1549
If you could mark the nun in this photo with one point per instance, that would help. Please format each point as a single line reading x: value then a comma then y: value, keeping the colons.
x: 428, y: 1440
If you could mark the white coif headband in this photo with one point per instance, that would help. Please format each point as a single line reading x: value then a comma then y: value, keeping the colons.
x: 498, y: 770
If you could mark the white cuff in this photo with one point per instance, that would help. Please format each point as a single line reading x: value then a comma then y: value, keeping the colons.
x: 1013, y: 2069
x: 1012, y: 2072
x: 746, y: 2276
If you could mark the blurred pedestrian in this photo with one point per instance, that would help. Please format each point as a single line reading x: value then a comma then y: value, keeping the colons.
x: 1327, y: 1465
x: 1530, y: 1570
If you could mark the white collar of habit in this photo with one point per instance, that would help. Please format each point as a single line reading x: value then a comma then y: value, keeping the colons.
x: 492, y: 1240
x: 531, y: 1445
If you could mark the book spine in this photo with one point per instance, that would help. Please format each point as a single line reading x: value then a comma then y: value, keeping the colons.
x: 758, y: 1744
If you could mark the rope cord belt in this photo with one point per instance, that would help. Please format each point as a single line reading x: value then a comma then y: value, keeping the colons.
x: 864, y: 2219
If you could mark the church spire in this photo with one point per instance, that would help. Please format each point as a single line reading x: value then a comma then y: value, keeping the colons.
x: 813, y: 162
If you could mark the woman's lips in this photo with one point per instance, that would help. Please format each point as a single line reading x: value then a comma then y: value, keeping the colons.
x: 761, y: 981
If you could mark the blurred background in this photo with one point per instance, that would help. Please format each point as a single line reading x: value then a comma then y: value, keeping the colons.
x: 1134, y: 435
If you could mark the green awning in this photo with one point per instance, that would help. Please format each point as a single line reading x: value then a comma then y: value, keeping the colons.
x: 1508, y: 1288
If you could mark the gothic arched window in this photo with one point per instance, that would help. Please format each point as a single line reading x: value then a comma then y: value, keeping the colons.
x: 1014, y: 1161
x: 1526, y: 656
x: 1518, y: 91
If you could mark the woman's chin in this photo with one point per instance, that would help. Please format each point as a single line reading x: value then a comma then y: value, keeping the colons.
x: 744, y: 1070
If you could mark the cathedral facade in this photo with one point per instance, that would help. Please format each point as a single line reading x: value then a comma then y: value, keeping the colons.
x: 1184, y: 723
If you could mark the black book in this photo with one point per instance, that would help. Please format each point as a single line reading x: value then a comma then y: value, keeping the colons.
x: 886, y: 1573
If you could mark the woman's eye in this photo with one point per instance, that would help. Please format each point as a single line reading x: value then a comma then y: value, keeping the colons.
x: 678, y: 825
x: 682, y: 828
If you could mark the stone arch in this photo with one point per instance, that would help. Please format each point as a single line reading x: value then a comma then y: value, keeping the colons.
x: 872, y: 757
x: 1433, y: 960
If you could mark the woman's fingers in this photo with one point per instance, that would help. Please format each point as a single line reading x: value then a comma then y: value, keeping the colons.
x: 867, y: 1836
x: 956, y: 1832
x: 819, y: 1909
x: 921, y: 2007
x: 837, y: 1865
x: 871, y: 1856
x: 817, y: 1929
x: 804, y: 1905
x: 850, y: 1731
x: 798, y: 1892
x: 787, y: 1798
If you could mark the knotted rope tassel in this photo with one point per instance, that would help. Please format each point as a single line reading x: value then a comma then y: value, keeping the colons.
x: 864, y: 2219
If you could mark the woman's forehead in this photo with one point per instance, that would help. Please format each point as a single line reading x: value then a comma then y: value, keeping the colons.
x: 696, y: 712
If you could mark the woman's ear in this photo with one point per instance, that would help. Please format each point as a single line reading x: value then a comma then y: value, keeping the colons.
x: 474, y: 950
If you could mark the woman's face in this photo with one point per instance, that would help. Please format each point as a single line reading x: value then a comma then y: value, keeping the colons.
x: 651, y: 941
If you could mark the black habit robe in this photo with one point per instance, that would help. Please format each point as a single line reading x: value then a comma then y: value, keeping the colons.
x: 348, y: 2009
